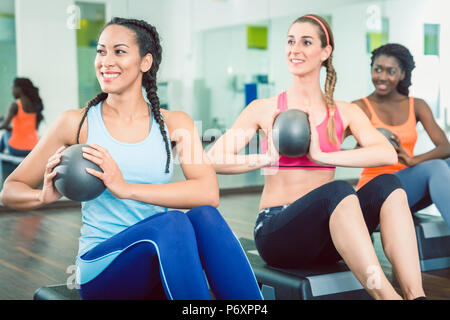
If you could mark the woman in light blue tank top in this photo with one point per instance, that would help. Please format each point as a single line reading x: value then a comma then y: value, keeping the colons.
x: 131, y: 245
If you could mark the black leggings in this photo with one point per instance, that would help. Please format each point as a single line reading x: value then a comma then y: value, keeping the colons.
x: 298, y: 234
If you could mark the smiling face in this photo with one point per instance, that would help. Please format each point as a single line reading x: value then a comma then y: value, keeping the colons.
x: 386, y: 74
x: 118, y: 63
x: 304, y: 51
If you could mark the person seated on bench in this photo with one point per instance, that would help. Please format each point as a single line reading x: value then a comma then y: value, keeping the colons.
x: 425, y: 177
x: 24, y: 116
x: 132, y: 245
x: 307, y: 218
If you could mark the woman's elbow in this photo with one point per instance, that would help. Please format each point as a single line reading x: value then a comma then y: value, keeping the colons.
x: 210, y: 198
x: 4, y: 195
x: 390, y: 156
x: 210, y: 192
x: 215, y: 201
x: 211, y: 157
x: 214, y: 196
x: 2, y: 198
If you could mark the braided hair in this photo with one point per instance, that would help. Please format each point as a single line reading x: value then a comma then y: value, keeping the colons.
x: 148, y: 41
x: 331, y: 78
x: 32, y: 93
x: 405, y: 60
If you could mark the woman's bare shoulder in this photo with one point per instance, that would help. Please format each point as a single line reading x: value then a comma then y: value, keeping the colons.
x: 67, y: 125
x: 346, y: 107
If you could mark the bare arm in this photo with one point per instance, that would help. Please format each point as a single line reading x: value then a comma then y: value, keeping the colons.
x: 11, y: 113
x: 199, y: 188
x: 437, y: 135
x: 225, y: 152
x: 375, y: 151
x: 21, y: 188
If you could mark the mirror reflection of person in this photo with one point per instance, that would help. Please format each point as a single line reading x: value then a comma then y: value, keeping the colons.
x: 20, y: 126
x: 425, y: 177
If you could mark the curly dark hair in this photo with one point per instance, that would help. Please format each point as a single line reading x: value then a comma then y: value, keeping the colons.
x: 405, y: 60
x: 32, y: 93
x: 148, y: 41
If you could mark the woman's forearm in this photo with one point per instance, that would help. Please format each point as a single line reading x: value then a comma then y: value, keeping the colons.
x: 237, y: 163
x: 19, y: 196
x: 440, y: 152
x: 184, y: 194
x: 371, y: 156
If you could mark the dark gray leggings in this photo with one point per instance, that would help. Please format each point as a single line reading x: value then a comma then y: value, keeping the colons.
x: 299, y: 235
x: 427, y: 183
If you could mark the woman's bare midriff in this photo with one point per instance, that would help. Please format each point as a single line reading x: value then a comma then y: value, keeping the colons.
x: 286, y: 186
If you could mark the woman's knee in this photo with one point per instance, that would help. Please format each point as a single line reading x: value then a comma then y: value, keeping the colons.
x: 385, y: 183
x: 340, y: 187
x: 203, y: 213
x: 440, y: 166
x: 434, y: 166
x: 339, y: 191
x: 385, y: 188
x: 176, y: 220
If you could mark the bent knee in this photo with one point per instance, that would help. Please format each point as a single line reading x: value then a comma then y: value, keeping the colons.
x: 341, y: 187
x: 203, y: 212
x: 438, y: 165
x: 386, y: 182
x: 338, y: 191
x: 176, y: 218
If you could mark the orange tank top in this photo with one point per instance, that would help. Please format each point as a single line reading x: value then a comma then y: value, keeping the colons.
x: 23, y: 134
x: 406, y: 132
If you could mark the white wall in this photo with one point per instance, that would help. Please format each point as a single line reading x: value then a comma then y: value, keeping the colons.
x: 46, y: 47
x: 222, y: 42
x: 210, y: 14
x: 173, y: 20
x: 430, y: 71
x: 46, y: 53
x: 351, y: 61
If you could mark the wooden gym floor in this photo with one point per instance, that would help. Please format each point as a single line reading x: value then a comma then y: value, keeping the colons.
x: 38, y: 248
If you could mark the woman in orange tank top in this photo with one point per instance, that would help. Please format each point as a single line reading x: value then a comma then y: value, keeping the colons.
x: 425, y: 177
x: 25, y: 115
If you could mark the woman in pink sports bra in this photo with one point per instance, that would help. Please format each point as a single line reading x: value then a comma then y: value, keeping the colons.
x: 306, y: 217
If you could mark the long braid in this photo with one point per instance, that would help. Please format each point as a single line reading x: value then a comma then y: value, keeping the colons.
x: 100, y: 97
x: 148, y: 41
x: 330, y: 84
x: 149, y: 78
x: 331, y: 78
x: 154, y: 102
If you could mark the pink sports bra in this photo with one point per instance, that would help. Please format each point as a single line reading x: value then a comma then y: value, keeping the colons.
x: 303, y: 162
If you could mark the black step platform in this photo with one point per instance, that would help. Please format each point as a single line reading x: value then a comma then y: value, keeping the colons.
x: 56, y: 292
x: 433, y: 241
x: 335, y: 282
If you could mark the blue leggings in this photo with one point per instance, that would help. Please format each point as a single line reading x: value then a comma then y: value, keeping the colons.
x: 427, y: 183
x: 164, y: 256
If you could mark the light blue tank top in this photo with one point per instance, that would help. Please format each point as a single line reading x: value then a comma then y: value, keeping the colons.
x: 140, y: 163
